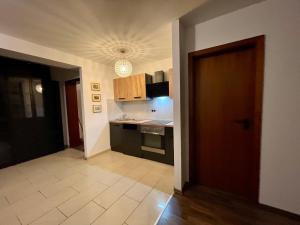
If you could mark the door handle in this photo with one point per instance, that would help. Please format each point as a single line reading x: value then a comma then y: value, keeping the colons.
x: 246, y: 123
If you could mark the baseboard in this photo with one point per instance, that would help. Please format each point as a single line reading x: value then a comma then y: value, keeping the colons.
x: 96, y: 154
x: 178, y: 192
x: 186, y: 185
x: 279, y: 211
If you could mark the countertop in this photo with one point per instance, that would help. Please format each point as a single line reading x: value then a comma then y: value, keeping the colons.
x: 142, y: 122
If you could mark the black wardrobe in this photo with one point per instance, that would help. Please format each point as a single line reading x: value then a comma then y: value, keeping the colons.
x: 30, y: 112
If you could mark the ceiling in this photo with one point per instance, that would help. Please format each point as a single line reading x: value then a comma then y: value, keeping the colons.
x: 97, y: 29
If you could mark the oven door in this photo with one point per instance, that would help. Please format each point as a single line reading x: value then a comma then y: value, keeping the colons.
x: 154, y: 143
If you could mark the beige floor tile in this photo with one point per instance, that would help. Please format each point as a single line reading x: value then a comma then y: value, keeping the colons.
x: 3, y: 202
x: 109, y: 178
x: 105, y: 177
x: 117, y: 214
x: 113, y: 193
x: 40, y: 188
x: 76, y: 203
x: 85, y: 183
x: 86, y: 215
x: 41, y: 181
x: 149, y: 210
x: 14, y: 186
x: 9, y: 220
x: 138, y: 173
x: 150, y: 179
x: 165, y: 184
x: 20, y: 192
x: 33, y: 212
x: 54, y: 217
x: 138, y: 192
x: 32, y: 200
x: 50, y: 190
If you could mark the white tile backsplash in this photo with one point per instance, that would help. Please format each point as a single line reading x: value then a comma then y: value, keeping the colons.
x: 163, y: 107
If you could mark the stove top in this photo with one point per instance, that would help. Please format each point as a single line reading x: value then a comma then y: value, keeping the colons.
x: 157, y: 122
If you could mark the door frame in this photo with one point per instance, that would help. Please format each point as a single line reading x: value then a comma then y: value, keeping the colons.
x: 259, y: 44
x: 67, y: 112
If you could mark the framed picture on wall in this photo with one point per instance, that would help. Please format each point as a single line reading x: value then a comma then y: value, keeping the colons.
x: 96, y: 97
x: 95, y: 86
x: 97, y: 108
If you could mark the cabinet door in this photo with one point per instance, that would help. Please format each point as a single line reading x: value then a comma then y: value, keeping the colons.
x: 116, y: 137
x: 122, y: 89
x: 169, y: 144
x: 138, y: 87
x: 131, y: 142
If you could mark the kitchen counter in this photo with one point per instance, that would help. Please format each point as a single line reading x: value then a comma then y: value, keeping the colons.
x: 143, y: 122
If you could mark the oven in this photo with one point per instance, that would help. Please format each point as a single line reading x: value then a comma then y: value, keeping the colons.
x: 153, y: 139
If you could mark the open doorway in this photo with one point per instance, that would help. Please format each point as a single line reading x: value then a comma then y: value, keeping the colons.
x: 71, y: 108
x: 74, y: 115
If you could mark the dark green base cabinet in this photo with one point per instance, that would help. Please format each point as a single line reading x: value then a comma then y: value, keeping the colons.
x: 127, y: 139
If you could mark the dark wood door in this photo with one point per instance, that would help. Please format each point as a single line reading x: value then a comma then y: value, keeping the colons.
x: 72, y: 111
x: 224, y: 108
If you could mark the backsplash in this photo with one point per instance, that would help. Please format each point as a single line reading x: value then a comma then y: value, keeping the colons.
x: 160, y: 108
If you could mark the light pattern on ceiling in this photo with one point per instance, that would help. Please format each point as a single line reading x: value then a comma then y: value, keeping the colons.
x: 96, y: 29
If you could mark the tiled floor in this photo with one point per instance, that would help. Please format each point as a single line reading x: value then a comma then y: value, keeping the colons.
x: 63, y: 188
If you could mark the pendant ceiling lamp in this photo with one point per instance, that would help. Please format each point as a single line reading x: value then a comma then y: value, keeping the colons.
x: 123, y: 67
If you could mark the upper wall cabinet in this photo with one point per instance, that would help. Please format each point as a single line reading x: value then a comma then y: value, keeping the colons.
x: 132, y: 88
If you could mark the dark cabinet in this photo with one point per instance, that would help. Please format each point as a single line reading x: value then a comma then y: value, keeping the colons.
x: 116, y: 137
x: 125, y: 138
x: 131, y: 142
x: 169, y: 144
x: 128, y: 139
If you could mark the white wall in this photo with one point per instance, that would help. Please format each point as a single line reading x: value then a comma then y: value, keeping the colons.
x: 176, y: 55
x: 280, y: 148
x: 96, y: 130
x: 143, y: 109
x: 151, y: 67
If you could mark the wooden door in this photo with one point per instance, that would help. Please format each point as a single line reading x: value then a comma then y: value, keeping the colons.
x: 226, y: 98
x: 72, y: 111
x: 138, y: 87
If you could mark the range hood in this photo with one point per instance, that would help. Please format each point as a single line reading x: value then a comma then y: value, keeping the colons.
x: 158, y: 89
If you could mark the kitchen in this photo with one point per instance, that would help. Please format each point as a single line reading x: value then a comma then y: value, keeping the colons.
x: 141, y: 113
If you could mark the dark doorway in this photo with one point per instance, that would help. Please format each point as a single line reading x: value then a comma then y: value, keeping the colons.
x: 30, y: 115
x: 225, y: 116
x: 74, y: 123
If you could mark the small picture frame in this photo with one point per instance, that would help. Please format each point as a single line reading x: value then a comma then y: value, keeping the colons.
x: 96, y: 97
x: 95, y: 86
x: 97, y: 108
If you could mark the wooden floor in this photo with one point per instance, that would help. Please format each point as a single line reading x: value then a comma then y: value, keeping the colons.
x: 202, y: 206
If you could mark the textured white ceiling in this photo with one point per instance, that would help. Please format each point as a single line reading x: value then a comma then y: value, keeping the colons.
x: 96, y: 29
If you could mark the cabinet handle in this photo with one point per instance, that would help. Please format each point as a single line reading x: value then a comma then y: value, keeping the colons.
x: 136, y: 97
x: 121, y: 98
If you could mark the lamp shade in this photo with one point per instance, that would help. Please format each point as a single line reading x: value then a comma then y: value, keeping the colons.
x: 123, y: 68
